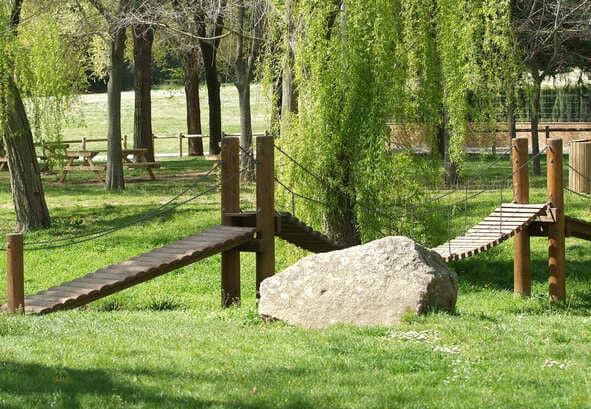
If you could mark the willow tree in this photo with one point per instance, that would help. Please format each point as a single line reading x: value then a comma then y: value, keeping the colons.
x: 33, y: 67
x: 361, y: 64
x: 27, y: 189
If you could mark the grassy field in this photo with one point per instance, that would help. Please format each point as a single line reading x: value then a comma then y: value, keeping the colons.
x: 168, y: 344
x: 89, y: 117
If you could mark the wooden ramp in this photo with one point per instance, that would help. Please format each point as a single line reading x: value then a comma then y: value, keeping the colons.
x: 294, y: 231
x: 117, y: 277
x: 291, y: 229
x: 501, y: 224
x: 580, y: 229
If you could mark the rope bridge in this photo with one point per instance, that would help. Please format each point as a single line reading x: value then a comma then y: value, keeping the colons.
x: 503, y: 223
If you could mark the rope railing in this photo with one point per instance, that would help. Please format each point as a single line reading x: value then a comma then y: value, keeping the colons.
x: 583, y: 195
x: 141, y: 218
x: 418, y: 209
x: 167, y: 207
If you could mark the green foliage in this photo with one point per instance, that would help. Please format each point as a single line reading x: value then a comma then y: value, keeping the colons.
x: 46, y: 67
x: 347, y: 71
x: 359, y: 65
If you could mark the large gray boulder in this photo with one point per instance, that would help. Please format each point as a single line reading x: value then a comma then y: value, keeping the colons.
x: 372, y: 284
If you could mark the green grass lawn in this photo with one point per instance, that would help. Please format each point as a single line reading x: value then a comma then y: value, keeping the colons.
x: 168, y: 344
x: 89, y: 116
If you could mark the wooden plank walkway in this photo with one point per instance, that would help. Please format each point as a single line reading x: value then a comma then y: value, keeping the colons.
x: 154, y: 263
x: 294, y: 231
x: 291, y: 229
x: 501, y: 224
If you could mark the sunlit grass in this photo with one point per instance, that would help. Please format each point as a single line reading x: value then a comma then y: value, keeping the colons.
x: 168, y: 344
x: 89, y: 117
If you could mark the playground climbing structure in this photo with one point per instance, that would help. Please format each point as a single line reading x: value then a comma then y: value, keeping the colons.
x: 255, y: 231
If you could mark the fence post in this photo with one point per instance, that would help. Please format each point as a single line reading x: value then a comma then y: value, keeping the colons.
x: 181, y: 145
x: 125, y: 141
x: 547, y: 130
x: 521, y: 243
x: 230, y: 204
x: 265, y: 202
x: 84, y: 143
x: 15, y: 273
x: 556, y: 231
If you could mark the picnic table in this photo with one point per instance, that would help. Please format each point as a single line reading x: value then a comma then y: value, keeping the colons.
x: 85, y: 164
x: 132, y: 159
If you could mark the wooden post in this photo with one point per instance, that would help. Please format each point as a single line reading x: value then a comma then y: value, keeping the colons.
x: 547, y: 129
x: 556, y: 231
x: 124, y: 141
x: 15, y: 273
x: 265, y: 179
x: 180, y: 145
x: 230, y: 204
x: 84, y: 143
x: 521, y: 243
x: 579, y: 172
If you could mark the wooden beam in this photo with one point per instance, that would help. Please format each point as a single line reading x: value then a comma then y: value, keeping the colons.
x: 521, y: 242
x: 230, y: 289
x: 265, y: 202
x: 556, y: 231
x: 15, y: 273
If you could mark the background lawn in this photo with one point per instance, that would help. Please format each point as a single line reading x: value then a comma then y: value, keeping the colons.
x: 168, y: 344
x: 89, y: 116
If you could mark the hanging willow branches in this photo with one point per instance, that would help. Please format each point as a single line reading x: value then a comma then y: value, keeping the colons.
x: 430, y: 64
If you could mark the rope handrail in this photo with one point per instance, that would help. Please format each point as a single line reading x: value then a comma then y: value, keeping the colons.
x: 577, y: 193
x: 399, y: 207
x: 138, y: 217
x: 587, y: 179
x: 161, y: 210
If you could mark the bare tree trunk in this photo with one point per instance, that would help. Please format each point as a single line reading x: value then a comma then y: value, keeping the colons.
x: 143, y: 38
x: 535, y: 119
x: 209, y: 52
x: 115, y: 180
x: 213, y: 97
x: 190, y: 62
x: 243, y: 86
x: 25, y: 181
x: 289, y: 96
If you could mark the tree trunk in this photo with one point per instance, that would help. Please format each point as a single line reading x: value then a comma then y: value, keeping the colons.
x: 143, y: 38
x: 535, y: 119
x: 243, y: 86
x: 213, y: 97
x: 451, y: 168
x: 190, y: 62
x: 289, y: 96
x: 25, y: 181
x: 511, y: 117
x: 115, y: 180
x: 340, y: 220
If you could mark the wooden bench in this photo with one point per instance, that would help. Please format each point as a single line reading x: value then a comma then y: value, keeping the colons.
x: 141, y: 161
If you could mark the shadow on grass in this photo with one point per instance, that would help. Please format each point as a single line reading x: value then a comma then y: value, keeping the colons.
x: 494, y: 270
x: 36, y: 385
